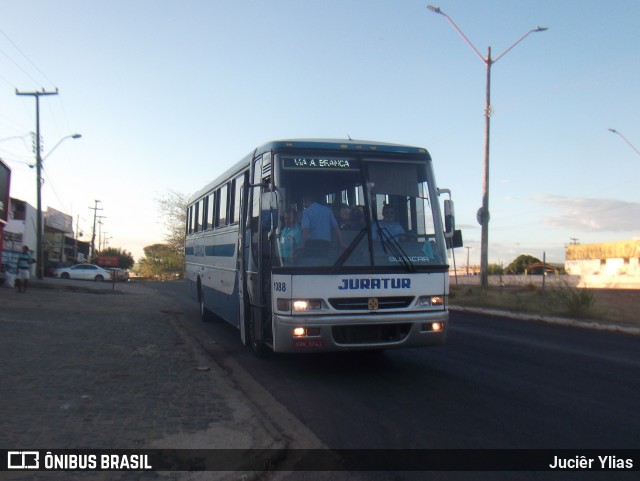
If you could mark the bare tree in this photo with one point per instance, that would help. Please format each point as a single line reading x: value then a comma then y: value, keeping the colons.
x: 173, y: 209
x: 166, y: 261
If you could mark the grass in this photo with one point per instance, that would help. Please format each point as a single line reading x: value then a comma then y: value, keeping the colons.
x: 615, y: 306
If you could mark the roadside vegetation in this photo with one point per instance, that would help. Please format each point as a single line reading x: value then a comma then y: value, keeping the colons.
x: 166, y: 261
x: 561, y: 301
x: 558, y: 300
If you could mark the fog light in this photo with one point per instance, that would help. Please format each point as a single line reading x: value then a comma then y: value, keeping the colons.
x: 299, y: 332
x: 432, y: 326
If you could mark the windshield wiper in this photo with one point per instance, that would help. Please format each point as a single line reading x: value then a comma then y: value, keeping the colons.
x: 388, y: 241
x: 349, y: 250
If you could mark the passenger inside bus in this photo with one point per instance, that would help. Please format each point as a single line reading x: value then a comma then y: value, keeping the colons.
x: 356, y: 219
x: 290, y: 236
x: 318, y: 222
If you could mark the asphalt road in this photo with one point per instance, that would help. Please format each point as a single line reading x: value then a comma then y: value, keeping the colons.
x: 497, y: 383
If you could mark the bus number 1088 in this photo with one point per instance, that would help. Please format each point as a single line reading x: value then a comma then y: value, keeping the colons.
x: 280, y: 286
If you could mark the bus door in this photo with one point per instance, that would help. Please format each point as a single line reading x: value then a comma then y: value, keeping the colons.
x: 262, y: 218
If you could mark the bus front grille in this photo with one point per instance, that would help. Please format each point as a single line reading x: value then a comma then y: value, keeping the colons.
x: 362, y: 303
x: 370, y: 334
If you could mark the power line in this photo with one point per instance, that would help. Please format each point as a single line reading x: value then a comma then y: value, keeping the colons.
x: 16, y: 64
x: 26, y: 57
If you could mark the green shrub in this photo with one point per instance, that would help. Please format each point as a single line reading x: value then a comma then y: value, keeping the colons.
x: 577, y: 302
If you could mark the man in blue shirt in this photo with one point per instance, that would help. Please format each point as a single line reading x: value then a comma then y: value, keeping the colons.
x: 24, y: 267
x: 317, y: 224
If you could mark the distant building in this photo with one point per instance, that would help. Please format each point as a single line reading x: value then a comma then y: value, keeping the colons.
x: 614, y: 265
x: 59, y: 243
x: 5, y: 182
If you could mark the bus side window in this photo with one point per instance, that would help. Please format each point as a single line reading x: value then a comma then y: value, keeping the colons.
x: 203, y: 213
x: 223, y: 206
x: 238, y: 183
x: 196, y: 216
x: 211, y: 212
x: 205, y: 206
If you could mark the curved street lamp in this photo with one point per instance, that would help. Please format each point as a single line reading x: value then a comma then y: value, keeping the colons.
x: 483, y: 213
x: 625, y: 139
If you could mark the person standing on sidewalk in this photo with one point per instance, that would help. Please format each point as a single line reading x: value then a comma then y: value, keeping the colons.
x: 24, y: 267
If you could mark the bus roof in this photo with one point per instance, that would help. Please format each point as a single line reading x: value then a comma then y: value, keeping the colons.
x: 339, y: 145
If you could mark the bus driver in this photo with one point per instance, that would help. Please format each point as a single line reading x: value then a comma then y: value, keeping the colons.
x: 389, y: 225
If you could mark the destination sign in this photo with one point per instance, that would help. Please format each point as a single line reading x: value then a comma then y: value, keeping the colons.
x: 320, y: 163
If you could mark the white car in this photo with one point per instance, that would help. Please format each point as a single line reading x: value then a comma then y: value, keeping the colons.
x: 89, y: 272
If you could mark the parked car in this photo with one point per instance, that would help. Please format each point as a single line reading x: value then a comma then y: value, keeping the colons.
x: 89, y: 272
x: 118, y: 273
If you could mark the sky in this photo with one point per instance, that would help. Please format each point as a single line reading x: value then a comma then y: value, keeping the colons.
x: 167, y: 94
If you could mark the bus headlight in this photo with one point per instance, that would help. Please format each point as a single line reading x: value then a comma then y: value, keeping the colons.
x: 431, y: 301
x: 307, y: 305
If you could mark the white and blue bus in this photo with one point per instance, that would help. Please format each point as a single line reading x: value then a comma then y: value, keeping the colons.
x: 370, y: 287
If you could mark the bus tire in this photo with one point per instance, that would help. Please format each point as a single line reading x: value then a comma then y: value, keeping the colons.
x: 205, y: 314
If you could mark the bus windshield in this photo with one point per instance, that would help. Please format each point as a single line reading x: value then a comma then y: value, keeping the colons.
x: 355, y: 212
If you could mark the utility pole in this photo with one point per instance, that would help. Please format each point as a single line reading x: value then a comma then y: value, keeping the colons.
x: 75, y: 243
x: 39, y: 249
x: 93, y: 234
x: 468, y: 249
x: 100, y: 224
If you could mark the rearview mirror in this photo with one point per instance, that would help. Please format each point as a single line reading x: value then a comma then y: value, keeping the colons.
x: 449, y: 218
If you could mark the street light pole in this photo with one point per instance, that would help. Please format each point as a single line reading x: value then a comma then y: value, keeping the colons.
x: 483, y: 213
x: 72, y: 136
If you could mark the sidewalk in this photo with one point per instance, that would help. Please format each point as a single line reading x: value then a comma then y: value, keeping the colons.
x: 114, y: 371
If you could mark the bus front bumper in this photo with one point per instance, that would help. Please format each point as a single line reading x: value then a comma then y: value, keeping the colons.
x: 359, y: 331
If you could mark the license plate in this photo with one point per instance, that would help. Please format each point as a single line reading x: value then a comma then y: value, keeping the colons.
x: 308, y: 343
